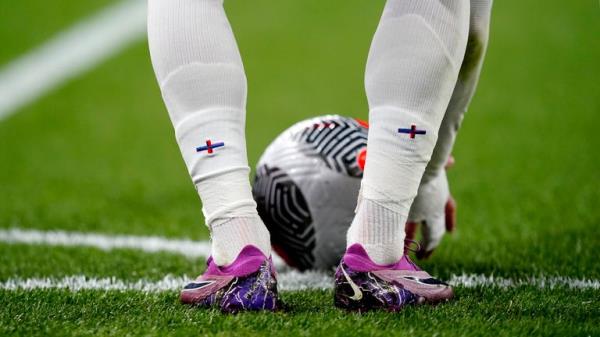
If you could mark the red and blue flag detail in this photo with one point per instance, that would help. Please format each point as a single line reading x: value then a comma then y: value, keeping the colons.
x: 210, y: 146
x: 413, y: 131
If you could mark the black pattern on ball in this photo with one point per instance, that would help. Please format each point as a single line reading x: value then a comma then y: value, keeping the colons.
x: 285, y: 212
x: 337, y: 141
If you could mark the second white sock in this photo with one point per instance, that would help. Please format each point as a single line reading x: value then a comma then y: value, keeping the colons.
x: 412, y: 69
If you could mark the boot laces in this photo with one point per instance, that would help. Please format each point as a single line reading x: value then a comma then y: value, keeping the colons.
x: 411, y: 245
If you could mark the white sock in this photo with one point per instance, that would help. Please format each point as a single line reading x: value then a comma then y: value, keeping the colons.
x: 375, y: 227
x: 433, y: 190
x: 203, y: 83
x: 230, y: 237
x: 412, y: 69
x: 465, y: 86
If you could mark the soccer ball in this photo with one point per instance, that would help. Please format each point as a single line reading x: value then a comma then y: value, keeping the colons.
x: 306, y: 187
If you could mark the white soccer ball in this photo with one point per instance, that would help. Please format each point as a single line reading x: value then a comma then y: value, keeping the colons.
x: 306, y: 187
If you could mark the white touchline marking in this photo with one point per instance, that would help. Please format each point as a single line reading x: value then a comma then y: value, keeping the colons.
x: 541, y: 282
x: 189, y: 248
x: 70, y: 53
x: 288, y: 281
x: 151, y: 244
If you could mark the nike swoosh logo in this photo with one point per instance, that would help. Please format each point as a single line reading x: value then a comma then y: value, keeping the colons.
x: 358, y: 295
x: 426, y: 281
x: 198, y: 285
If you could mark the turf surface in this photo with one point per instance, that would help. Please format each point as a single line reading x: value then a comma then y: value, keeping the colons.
x: 486, y: 312
x: 98, y: 155
x: 27, y: 23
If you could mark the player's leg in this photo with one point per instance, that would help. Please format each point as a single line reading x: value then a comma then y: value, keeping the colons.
x: 411, y: 72
x: 203, y: 83
x: 433, y: 208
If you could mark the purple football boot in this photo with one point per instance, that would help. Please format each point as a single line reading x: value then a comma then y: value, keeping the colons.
x: 362, y: 285
x: 248, y: 284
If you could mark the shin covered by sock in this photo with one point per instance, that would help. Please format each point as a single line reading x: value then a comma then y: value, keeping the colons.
x: 412, y: 69
x: 465, y: 85
x: 433, y: 194
x: 203, y: 83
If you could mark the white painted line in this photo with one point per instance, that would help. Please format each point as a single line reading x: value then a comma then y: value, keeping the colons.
x: 81, y: 282
x: 288, y: 281
x: 541, y: 282
x: 70, y: 53
x: 151, y: 244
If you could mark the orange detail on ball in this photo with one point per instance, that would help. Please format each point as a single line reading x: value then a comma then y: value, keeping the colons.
x: 362, y: 123
x: 362, y: 158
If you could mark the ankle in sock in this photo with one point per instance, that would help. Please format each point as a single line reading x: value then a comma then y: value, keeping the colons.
x: 379, y: 230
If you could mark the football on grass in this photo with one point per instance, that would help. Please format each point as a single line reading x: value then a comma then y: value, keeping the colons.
x: 306, y: 186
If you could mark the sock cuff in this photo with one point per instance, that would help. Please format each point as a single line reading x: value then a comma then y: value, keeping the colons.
x: 232, y: 235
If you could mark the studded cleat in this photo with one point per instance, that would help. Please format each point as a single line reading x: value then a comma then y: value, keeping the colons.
x: 248, y: 284
x: 362, y: 285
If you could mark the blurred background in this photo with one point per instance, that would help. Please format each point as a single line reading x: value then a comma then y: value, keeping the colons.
x: 86, y: 143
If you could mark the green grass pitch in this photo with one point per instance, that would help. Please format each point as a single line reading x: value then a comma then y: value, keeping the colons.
x: 98, y: 155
